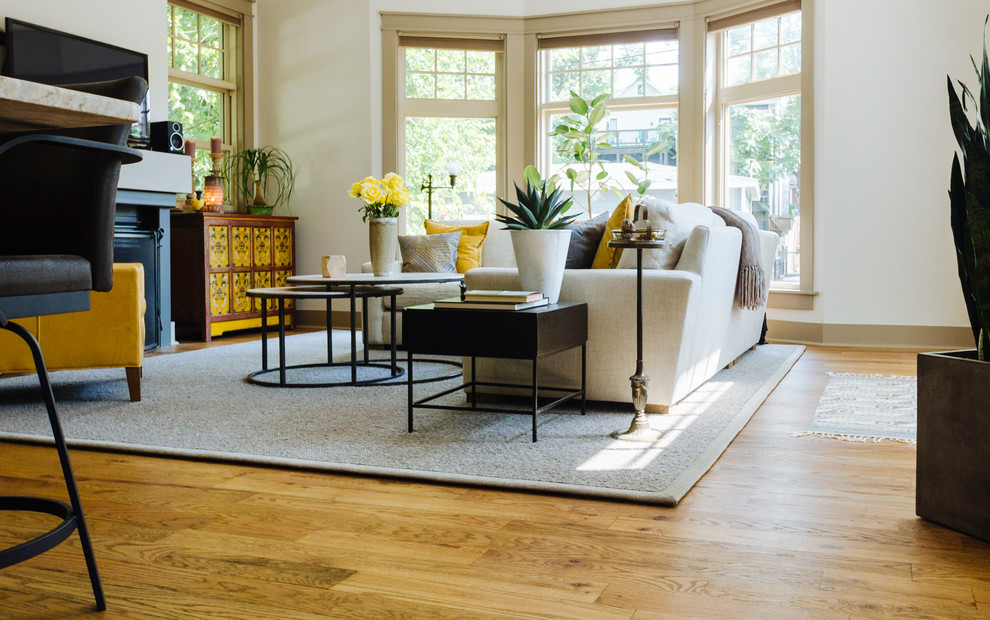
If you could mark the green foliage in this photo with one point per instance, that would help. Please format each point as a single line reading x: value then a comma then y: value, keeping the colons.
x: 666, y: 143
x: 433, y: 142
x: 767, y: 143
x: 581, y: 142
x: 537, y: 209
x: 262, y: 176
x: 969, y: 197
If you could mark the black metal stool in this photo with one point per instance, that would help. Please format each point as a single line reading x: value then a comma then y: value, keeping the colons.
x: 56, y: 245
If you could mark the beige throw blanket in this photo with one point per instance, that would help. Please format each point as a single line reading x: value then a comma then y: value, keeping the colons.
x: 751, y: 284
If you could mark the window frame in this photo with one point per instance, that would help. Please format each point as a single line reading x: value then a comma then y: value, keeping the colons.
x: 415, y: 107
x: 237, y: 91
x: 721, y: 98
x: 547, y: 109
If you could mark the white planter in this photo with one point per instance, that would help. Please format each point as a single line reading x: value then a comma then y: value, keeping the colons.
x: 540, y: 257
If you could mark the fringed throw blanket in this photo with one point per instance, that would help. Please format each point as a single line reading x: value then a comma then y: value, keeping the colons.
x: 751, y: 284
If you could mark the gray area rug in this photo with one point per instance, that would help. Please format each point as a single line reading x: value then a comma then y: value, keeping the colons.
x: 197, y: 404
x: 867, y: 408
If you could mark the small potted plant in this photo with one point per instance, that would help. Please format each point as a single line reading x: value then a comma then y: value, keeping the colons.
x: 539, y: 239
x: 263, y: 178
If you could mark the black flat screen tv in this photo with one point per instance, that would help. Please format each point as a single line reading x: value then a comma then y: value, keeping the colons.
x: 49, y: 56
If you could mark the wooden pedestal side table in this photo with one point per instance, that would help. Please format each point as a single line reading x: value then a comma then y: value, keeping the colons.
x: 531, y: 334
x: 640, y: 429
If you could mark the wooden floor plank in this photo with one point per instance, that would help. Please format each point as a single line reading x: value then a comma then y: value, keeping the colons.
x: 782, y: 526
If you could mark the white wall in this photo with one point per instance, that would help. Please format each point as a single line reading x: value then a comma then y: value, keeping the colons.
x: 883, y: 150
x: 134, y: 24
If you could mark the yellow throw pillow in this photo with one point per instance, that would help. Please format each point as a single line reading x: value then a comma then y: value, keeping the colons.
x: 469, y: 247
x: 606, y: 257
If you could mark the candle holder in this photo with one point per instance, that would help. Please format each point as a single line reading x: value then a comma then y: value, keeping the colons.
x: 429, y: 188
x: 213, y: 186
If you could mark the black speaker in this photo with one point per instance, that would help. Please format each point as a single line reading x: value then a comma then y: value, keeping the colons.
x: 166, y: 136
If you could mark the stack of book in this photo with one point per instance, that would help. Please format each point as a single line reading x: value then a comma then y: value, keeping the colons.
x: 494, y: 300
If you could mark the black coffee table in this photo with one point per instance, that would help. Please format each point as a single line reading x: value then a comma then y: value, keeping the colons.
x: 532, y: 334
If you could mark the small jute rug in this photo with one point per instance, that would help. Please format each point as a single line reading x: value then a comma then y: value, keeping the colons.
x: 867, y: 408
x: 197, y: 404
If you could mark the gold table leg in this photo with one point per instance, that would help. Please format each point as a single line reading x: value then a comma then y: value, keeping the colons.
x: 640, y: 429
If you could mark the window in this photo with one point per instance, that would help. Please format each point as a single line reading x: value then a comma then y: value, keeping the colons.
x: 758, y: 105
x: 203, y: 75
x: 634, y: 146
x: 449, y: 110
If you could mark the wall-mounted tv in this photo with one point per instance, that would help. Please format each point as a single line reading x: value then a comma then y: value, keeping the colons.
x: 52, y: 57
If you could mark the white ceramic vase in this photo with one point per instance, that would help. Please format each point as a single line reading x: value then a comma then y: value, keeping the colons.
x: 540, y: 258
x: 383, y: 240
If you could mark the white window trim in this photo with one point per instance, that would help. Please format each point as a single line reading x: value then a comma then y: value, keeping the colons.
x: 237, y: 94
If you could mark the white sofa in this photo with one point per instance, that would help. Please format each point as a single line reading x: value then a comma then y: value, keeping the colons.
x: 692, y: 326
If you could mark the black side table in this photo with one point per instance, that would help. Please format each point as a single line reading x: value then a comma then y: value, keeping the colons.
x: 531, y: 334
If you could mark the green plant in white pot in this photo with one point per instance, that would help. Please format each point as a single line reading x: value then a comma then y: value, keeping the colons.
x: 539, y: 239
x: 262, y: 177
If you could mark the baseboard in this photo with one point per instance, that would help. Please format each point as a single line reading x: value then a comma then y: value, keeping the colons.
x: 887, y: 336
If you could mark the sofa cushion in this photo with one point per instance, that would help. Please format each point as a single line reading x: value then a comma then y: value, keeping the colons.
x: 678, y: 220
x: 586, y: 235
x: 424, y: 293
x: 429, y: 253
x: 469, y: 246
x: 606, y: 257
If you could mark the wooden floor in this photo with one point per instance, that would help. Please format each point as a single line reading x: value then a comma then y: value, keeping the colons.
x: 781, y: 527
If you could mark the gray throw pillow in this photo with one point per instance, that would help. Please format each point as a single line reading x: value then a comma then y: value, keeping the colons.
x: 430, y: 253
x: 585, y: 237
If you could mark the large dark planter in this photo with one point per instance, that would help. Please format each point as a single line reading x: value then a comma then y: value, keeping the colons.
x: 954, y: 442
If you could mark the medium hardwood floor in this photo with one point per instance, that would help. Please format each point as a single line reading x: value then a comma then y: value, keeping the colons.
x: 781, y: 527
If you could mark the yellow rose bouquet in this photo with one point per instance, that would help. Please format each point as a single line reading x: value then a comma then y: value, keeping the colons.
x: 381, y: 197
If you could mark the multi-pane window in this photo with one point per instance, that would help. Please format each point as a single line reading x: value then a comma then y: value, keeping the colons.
x: 202, y: 80
x: 764, y: 49
x: 634, y: 147
x: 449, y: 112
x: 759, y: 103
x: 450, y: 74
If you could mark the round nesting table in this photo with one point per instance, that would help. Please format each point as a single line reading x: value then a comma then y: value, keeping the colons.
x: 281, y: 294
x: 354, y: 281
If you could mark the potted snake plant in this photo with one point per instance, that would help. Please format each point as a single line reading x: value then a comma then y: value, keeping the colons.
x: 953, y: 478
x: 539, y: 239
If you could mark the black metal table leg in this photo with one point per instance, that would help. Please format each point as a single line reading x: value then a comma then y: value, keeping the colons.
x: 264, y: 334
x: 584, y: 378
x: 392, y: 315
x: 353, y: 336
x: 329, y: 330
x: 536, y: 400
x: 409, y: 388
x: 281, y: 341
x: 474, y: 383
x: 364, y: 327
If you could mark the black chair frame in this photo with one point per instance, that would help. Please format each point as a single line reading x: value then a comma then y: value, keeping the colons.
x: 20, y: 306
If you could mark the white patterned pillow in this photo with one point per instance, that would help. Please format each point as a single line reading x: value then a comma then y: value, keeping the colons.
x: 430, y: 253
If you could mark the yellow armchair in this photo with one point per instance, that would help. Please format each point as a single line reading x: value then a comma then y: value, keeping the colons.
x: 109, y: 335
